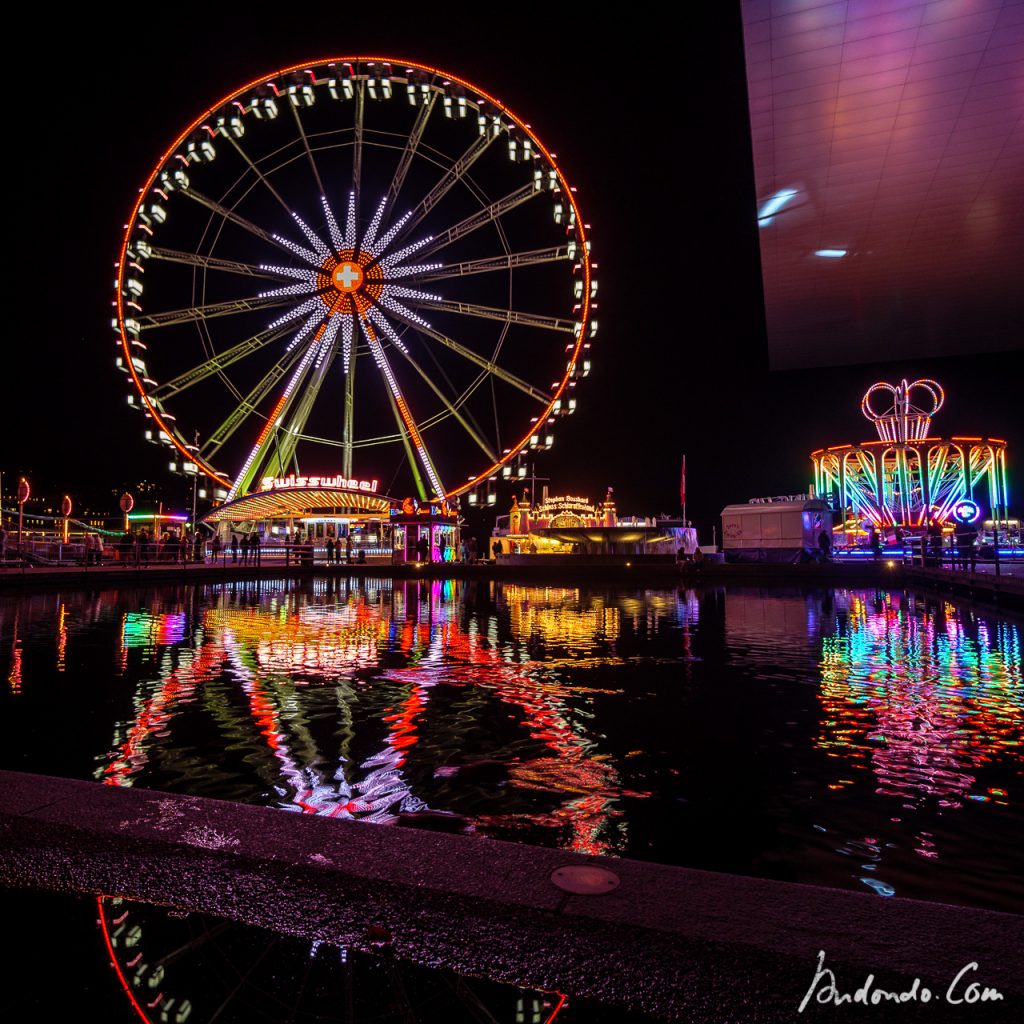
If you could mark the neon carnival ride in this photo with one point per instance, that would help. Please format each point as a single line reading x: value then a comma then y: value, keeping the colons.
x: 908, y: 479
x: 359, y: 266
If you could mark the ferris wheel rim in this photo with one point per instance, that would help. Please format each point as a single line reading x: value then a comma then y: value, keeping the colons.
x: 190, y: 454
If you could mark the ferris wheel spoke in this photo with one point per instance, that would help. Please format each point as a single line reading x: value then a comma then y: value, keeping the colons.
x: 451, y: 177
x: 192, y: 945
x: 210, y: 311
x: 357, y: 154
x: 243, y: 980
x: 212, y: 263
x: 219, y: 362
x: 469, y: 428
x: 350, y: 220
x: 235, y: 218
x: 309, y: 153
x: 259, y: 174
x: 281, y: 409
x: 507, y: 261
x: 249, y: 404
x: 333, y: 231
x: 420, y: 300
x: 482, y: 361
x: 303, y: 290
x: 410, y: 455
x: 349, y: 408
x: 412, y: 144
x: 288, y: 436
x: 481, y: 218
x: 404, y: 411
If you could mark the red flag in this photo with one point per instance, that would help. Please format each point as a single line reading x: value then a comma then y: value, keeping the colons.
x: 682, y: 485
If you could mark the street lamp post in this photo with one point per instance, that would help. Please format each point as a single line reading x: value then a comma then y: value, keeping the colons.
x: 195, y: 484
x: 127, y: 503
x: 23, y: 492
x: 65, y: 511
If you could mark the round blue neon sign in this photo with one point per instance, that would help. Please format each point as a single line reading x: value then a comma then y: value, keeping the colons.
x: 966, y: 511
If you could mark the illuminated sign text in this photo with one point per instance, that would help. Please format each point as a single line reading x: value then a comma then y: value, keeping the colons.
x: 276, y: 483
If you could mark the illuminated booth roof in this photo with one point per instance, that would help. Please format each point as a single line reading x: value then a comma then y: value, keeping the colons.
x: 562, y: 524
x: 296, y: 502
x: 888, y: 157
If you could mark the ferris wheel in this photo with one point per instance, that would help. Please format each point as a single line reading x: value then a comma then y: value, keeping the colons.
x: 362, y: 266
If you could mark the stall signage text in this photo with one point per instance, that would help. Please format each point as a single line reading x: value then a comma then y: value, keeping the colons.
x: 272, y: 483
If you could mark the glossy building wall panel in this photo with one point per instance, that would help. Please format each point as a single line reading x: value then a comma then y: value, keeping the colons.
x: 888, y: 141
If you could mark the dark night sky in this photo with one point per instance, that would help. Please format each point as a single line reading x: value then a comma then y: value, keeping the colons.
x: 649, y: 124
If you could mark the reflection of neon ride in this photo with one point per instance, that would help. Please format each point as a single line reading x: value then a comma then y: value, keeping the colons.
x: 361, y: 267
x: 907, y: 478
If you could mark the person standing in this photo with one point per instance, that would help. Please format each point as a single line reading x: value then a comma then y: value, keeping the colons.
x: 348, y: 548
x: 234, y: 547
x: 970, y: 542
x: 330, y: 549
x: 966, y: 536
x: 472, y: 549
x: 442, y: 547
x: 874, y: 542
x: 933, y: 538
x: 825, y: 546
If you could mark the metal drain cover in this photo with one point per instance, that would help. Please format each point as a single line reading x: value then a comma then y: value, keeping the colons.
x: 585, y: 880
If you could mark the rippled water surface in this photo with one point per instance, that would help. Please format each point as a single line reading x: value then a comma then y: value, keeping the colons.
x: 850, y: 738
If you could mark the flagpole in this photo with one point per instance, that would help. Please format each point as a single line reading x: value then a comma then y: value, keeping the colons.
x: 682, y: 489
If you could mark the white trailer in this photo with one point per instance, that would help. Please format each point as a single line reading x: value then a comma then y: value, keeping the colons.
x: 783, y: 529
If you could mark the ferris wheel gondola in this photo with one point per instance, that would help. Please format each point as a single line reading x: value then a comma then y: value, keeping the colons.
x: 362, y: 265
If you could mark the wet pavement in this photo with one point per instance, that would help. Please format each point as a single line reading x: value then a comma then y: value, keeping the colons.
x: 676, y: 943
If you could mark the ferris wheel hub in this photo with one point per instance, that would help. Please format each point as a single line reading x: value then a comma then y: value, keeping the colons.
x: 350, y: 282
x: 348, y: 277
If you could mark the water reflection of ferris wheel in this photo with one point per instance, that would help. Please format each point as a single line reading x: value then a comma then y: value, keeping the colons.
x: 258, y: 664
x: 169, y: 965
x: 360, y: 265
x: 177, y: 968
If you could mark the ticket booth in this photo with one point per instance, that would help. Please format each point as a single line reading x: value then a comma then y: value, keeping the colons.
x: 423, y: 532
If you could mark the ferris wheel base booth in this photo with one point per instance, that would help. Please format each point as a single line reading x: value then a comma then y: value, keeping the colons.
x: 311, y: 513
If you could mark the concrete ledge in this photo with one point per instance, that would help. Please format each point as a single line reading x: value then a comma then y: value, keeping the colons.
x: 680, y: 944
x: 1005, y: 590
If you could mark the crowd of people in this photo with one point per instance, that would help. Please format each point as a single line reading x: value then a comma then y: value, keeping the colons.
x: 145, y: 547
x: 960, y: 549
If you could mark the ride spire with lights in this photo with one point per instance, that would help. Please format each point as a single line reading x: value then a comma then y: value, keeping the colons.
x: 908, y: 479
